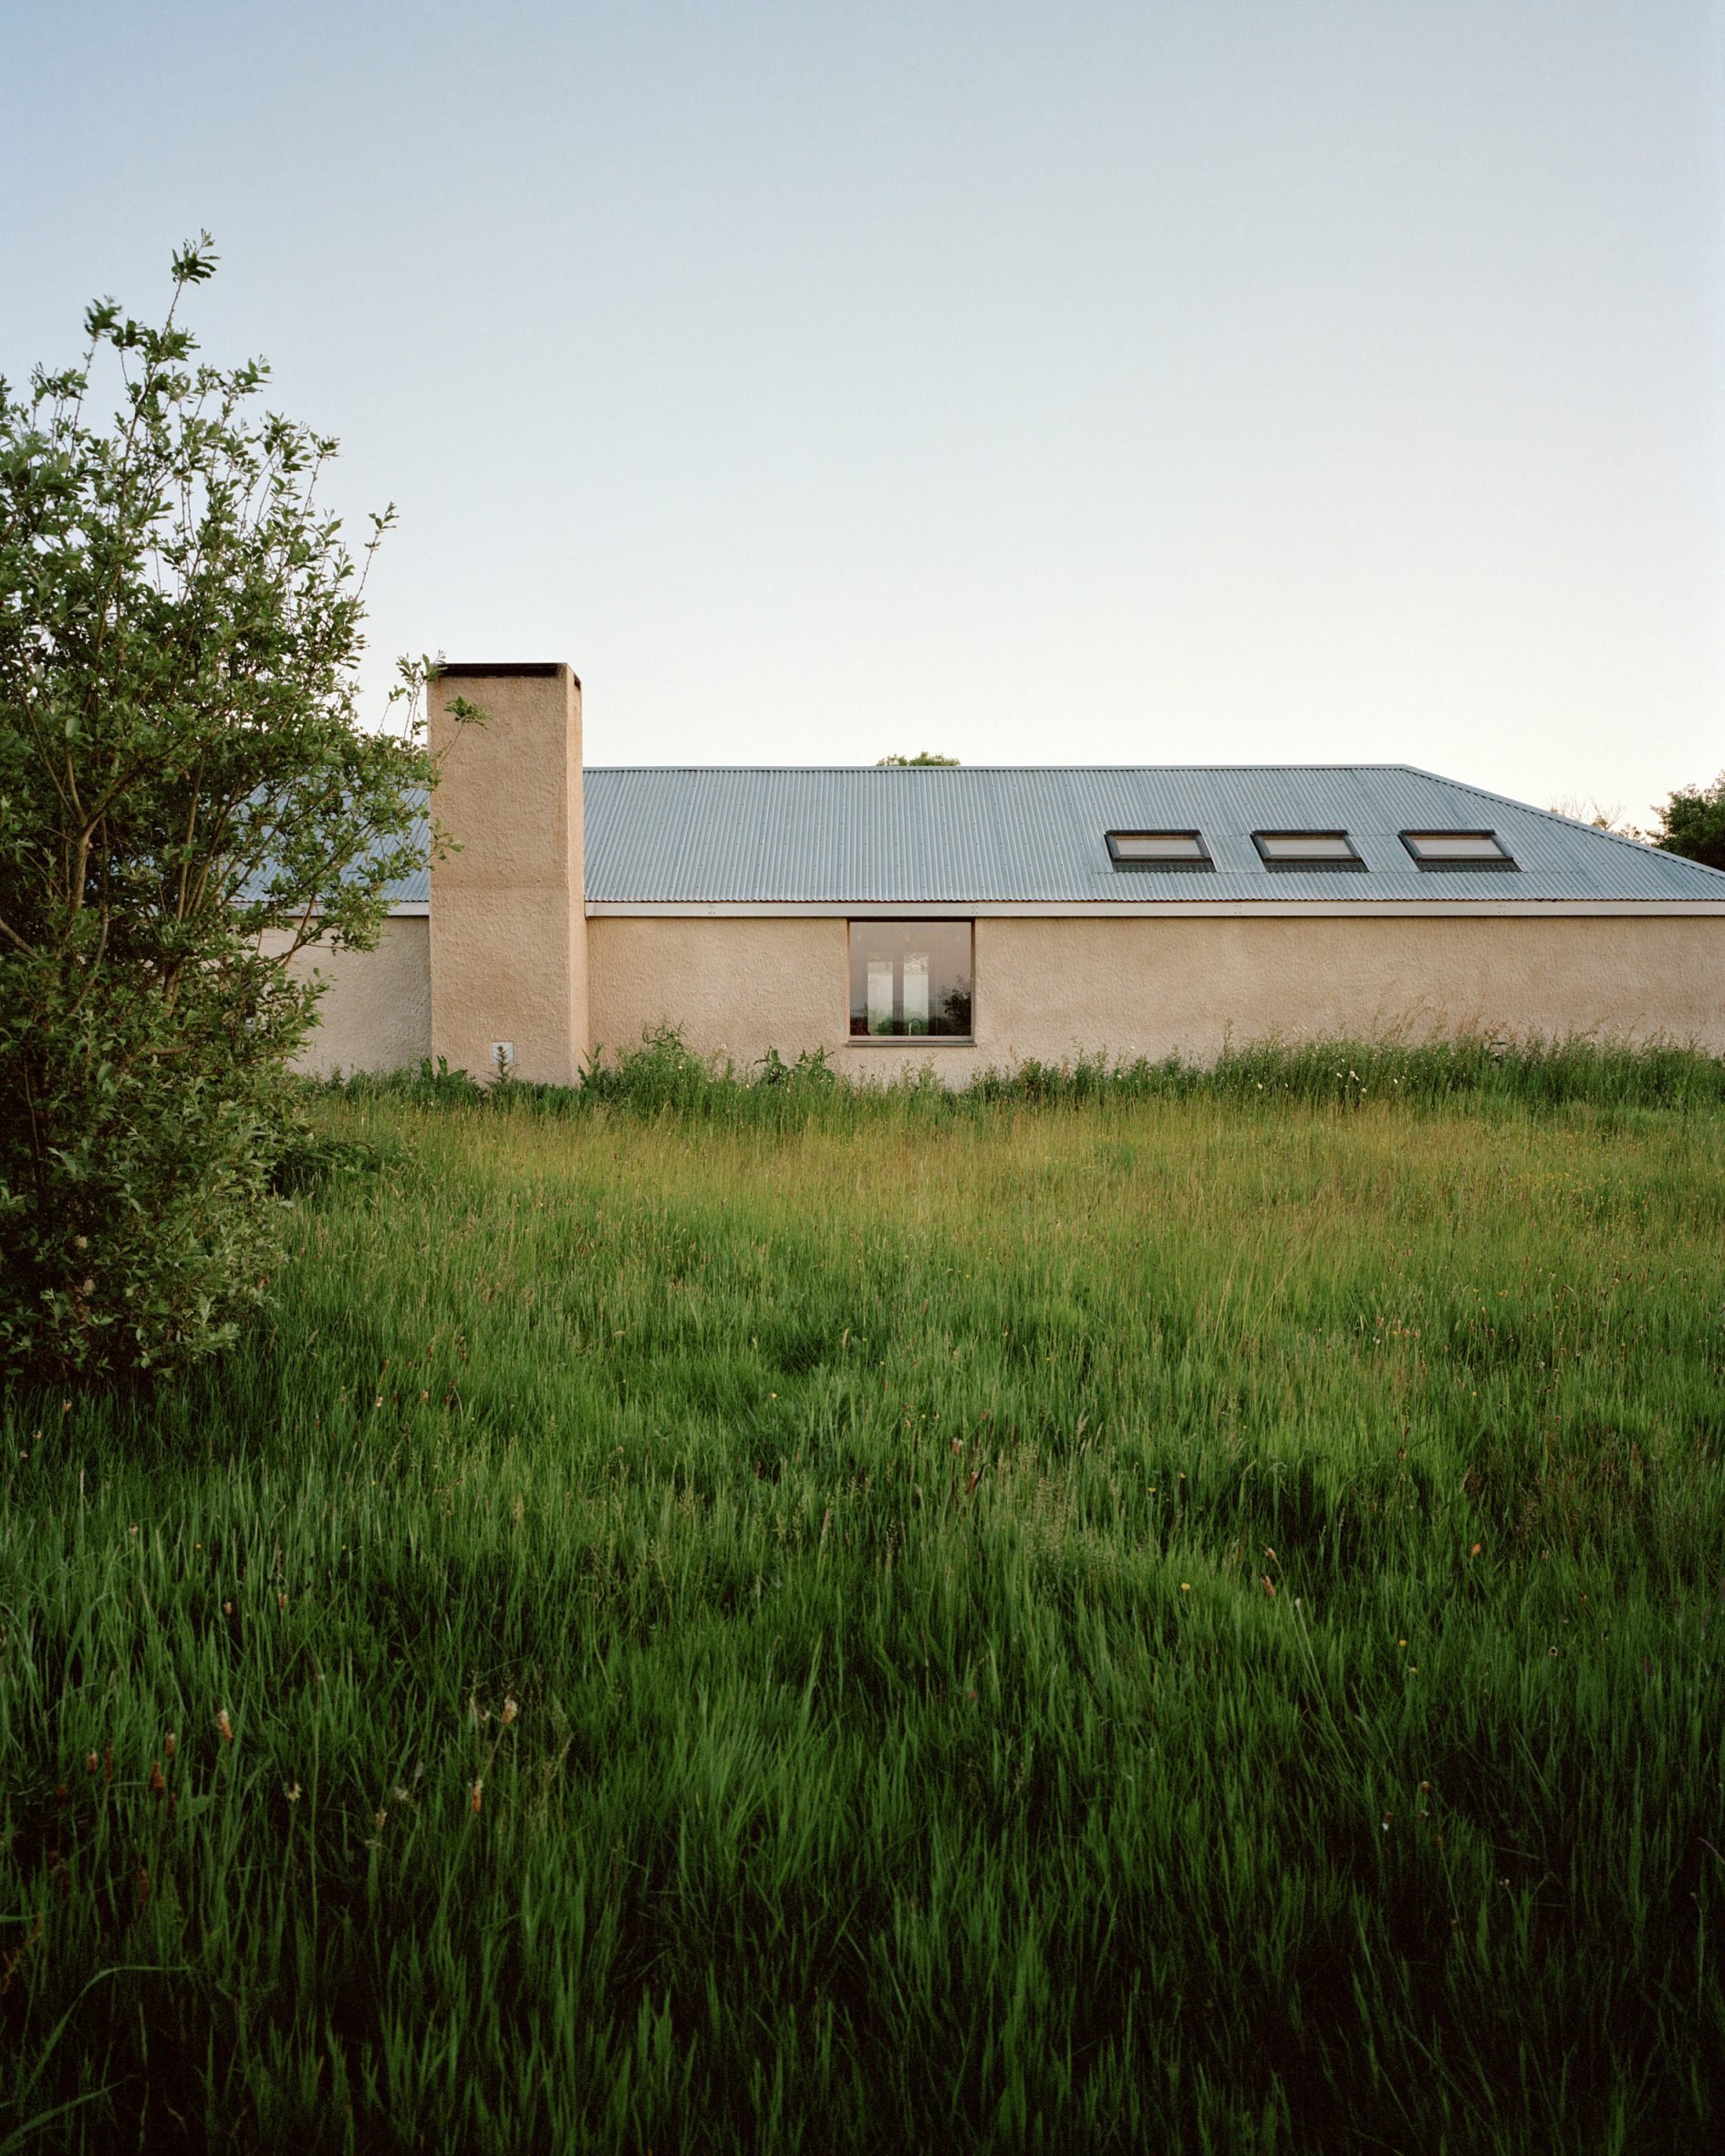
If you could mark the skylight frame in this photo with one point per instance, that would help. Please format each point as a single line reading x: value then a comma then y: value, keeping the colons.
x: 1199, y: 862
x: 1491, y: 864
x: 1350, y: 862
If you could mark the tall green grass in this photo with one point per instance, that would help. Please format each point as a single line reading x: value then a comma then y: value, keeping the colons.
x: 767, y: 1620
x: 660, y: 1075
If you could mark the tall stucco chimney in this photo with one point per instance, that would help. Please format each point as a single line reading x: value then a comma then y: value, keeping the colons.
x: 508, y: 919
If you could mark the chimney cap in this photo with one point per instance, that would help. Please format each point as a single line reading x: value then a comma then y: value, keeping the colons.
x: 504, y: 669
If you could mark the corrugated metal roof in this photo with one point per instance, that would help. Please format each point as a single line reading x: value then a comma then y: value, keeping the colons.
x: 416, y: 889
x: 407, y: 890
x: 979, y: 835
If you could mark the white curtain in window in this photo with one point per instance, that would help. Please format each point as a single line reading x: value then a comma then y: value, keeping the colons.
x: 915, y: 992
x: 881, y: 995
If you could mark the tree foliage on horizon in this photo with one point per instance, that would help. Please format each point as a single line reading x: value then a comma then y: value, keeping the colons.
x: 923, y: 756
x: 188, y: 796
x: 1692, y: 822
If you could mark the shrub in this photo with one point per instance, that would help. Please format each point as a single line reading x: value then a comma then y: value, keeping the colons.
x: 187, y: 797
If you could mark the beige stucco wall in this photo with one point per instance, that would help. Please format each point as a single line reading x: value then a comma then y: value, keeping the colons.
x: 735, y: 988
x: 508, y: 924
x: 1058, y: 987
x: 375, y: 1013
x: 1047, y: 987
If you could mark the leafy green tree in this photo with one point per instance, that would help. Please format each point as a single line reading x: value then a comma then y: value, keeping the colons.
x: 1692, y: 822
x: 922, y: 756
x: 187, y: 797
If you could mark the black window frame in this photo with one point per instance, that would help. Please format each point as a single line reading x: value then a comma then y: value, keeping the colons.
x: 929, y: 1039
x: 1200, y: 863
x: 1353, y: 863
x: 1488, y: 866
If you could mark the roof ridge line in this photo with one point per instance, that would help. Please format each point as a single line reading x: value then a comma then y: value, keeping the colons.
x: 896, y: 768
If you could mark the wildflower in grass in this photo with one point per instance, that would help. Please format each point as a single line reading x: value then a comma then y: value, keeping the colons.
x: 510, y: 1711
x: 157, y: 1782
x: 476, y: 1800
x: 292, y: 1792
x: 171, y: 1744
x: 91, y: 1763
x: 224, y: 1728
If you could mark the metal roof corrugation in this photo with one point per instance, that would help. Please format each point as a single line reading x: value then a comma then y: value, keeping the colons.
x: 414, y: 889
x: 1033, y: 833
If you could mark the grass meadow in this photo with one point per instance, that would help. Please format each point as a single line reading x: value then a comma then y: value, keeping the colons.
x: 1180, y: 1614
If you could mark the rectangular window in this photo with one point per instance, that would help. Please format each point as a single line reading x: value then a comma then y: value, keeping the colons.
x: 1306, y: 849
x: 1457, y: 849
x: 911, y: 980
x: 1158, y: 849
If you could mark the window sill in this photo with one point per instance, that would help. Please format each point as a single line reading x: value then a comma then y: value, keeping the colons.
x: 910, y: 1040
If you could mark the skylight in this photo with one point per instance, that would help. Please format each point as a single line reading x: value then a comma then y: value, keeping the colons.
x: 1306, y: 849
x: 1457, y: 849
x: 1157, y: 849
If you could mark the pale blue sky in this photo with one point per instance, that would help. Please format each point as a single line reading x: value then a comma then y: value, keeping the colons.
x: 1219, y: 380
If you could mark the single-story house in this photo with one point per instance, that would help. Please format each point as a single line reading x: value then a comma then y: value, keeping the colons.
x: 971, y: 918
